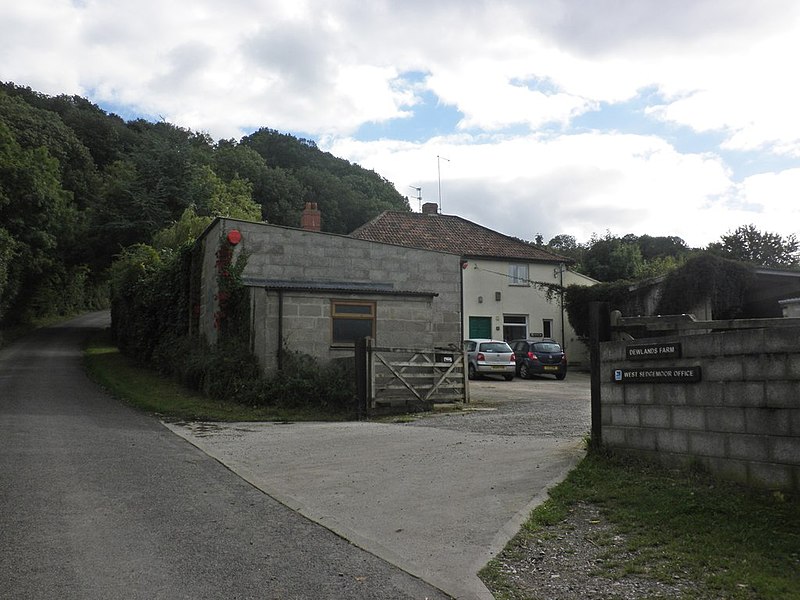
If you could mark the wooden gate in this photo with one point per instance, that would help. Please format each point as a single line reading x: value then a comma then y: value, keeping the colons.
x: 408, y: 379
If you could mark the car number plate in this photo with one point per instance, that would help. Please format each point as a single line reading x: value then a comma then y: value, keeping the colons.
x: 551, y: 368
x: 498, y: 367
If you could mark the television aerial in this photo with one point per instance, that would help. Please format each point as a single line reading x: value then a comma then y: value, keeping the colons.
x: 418, y: 196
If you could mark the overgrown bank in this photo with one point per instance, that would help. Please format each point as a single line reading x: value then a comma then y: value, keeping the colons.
x: 154, y: 312
x: 164, y: 396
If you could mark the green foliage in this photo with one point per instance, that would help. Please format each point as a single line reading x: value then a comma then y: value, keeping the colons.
x: 7, y: 251
x: 232, y: 316
x: 612, y: 259
x: 347, y: 194
x: 748, y: 244
x: 185, y: 231
x: 217, y: 198
x: 706, y: 278
x: 567, y: 245
x: 661, y: 265
x: 78, y: 185
x: 152, y: 306
x: 578, y: 297
x: 40, y: 221
x: 700, y: 279
x: 723, y: 540
x: 138, y: 309
x: 303, y: 382
x: 654, y: 247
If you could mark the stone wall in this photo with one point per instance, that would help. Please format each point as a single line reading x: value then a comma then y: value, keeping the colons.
x: 741, y: 421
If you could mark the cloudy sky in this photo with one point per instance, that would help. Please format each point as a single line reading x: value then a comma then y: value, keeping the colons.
x: 660, y: 117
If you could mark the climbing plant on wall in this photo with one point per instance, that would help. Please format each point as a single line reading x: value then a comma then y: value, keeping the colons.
x: 231, y: 316
x: 707, y: 278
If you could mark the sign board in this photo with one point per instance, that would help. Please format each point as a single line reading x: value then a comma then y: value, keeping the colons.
x: 653, y: 351
x: 658, y: 375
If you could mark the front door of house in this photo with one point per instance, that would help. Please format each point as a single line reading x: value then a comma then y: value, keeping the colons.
x: 480, y: 327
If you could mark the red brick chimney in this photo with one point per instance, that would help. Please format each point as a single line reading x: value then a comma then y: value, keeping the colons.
x: 311, y: 218
x: 430, y: 208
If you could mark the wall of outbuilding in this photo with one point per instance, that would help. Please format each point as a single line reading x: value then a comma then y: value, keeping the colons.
x: 417, y: 292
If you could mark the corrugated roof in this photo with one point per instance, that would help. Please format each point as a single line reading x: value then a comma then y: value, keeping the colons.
x: 450, y: 233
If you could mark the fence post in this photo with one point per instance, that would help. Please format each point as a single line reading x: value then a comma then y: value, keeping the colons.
x: 599, y: 331
x: 362, y: 373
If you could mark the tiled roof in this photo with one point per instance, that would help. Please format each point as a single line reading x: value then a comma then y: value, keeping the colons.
x: 450, y: 233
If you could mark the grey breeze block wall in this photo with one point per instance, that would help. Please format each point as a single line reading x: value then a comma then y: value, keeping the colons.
x: 741, y: 421
x: 306, y: 257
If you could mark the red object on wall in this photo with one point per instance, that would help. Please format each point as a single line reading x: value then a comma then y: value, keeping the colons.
x: 234, y: 237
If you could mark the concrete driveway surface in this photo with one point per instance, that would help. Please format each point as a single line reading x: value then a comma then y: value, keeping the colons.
x: 438, y: 497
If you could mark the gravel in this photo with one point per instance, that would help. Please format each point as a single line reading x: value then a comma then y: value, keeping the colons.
x: 570, y: 560
x: 565, y: 562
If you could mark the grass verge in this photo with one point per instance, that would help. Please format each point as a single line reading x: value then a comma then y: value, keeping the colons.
x: 168, y: 399
x: 732, y: 542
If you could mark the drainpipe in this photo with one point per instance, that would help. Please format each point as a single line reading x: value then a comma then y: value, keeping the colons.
x: 462, y: 264
x: 561, y: 268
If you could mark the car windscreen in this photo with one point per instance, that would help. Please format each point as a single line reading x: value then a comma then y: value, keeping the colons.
x: 495, y: 347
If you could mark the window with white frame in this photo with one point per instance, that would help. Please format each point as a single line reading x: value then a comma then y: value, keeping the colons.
x: 515, y: 327
x: 518, y: 274
x: 351, y: 321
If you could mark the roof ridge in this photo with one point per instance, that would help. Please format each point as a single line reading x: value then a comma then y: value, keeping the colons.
x: 451, y: 233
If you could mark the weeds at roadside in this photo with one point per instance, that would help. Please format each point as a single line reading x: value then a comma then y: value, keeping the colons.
x: 667, y: 526
x: 168, y: 399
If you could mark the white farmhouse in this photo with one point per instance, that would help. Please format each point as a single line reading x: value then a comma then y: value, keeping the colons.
x: 504, y: 284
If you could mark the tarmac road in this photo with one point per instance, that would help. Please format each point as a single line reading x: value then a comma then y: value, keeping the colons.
x: 99, y: 501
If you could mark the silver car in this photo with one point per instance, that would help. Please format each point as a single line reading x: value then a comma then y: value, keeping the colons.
x: 490, y: 357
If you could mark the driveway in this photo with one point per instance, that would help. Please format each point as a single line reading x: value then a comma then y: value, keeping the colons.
x: 438, y: 497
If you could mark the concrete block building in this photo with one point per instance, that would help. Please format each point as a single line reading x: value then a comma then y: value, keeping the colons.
x: 317, y: 292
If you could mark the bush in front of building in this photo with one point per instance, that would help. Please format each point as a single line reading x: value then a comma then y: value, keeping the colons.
x: 152, y: 312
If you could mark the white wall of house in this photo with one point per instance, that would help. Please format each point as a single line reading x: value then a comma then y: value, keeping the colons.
x: 516, y: 308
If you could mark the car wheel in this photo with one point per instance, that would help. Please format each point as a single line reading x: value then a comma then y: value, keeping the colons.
x: 471, y: 371
x: 524, y: 372
x: 508, y: 377
x: 561, y: 376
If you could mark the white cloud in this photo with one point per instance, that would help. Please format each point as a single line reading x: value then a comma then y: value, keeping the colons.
x: 574, y: 184
x: 326, y: 69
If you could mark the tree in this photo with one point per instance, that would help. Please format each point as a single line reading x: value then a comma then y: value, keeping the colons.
x: 184, y: 231
x: 653, y: 247
x: 567, y: 245
x: 217, y: 198
x: 612, y: 259
x: 39, y: 224
x: 748, y: 244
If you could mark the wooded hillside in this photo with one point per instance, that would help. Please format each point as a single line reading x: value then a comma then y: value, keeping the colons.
x: 77, y: 185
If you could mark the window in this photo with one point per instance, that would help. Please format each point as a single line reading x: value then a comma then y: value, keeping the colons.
x: 351, y: 321
x: 518, y: 274
x: 547, y: 328
x: 515, y: 327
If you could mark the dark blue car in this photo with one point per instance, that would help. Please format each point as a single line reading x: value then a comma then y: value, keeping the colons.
x: 539, y: 357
